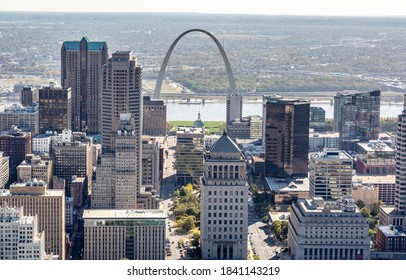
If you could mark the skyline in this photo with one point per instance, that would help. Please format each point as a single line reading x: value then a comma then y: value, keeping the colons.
x: 289, y: 7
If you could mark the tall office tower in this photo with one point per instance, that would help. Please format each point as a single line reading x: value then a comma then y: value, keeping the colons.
x: 47, y: 205
x: 26, y: 242
x: 154, y: 117
x: 81, y: 70
x: 224, y: 202
x: 132, y: 234
x: 128, y: 164
x: 189, y: 155
x: 122, y: 93
x: 29, y: 95
x: 26, y: 118
x: 55, y: 109
x: 15, y: 144
x: 4, y: 170
x: 234, y: 107
x: 357, y: 117
x: 400, y: 194
x: 118, y: 178
x: 286, y: 124
x: 33, y: 167
x: 73, y: 157
x: 330, y: 174
x: 328, y: 230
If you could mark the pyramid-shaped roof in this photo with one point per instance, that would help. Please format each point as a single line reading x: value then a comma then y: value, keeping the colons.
x: 225, y: 145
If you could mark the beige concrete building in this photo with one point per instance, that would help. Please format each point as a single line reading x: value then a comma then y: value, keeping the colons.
x: 47, y: 205
x: 224, y: 203
x: 328, y: 230
x: 385, y: 185
x: 116, y: 234
x: 26, y: 242
x: 4, y: 170
x: 33, y: 167
x: 26, y: 118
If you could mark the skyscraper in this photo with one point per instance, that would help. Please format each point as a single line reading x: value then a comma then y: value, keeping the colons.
x: 396, y: 215
x: 356, y: 117
x: 29, y: 95
x: 122, y: 93
x: 81, y: 70
x: 118, y: 177
x: 286, y: 136
x: 55, y: 109
x: 234, y: 107
x: 224, y: 202
x: 4, y: 170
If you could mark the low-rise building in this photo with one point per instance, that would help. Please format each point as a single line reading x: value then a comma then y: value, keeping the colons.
x: 318, y: 141
x: 386, y: 186
x: 33, y: 167
x: 26, y: 118
x: 117, y: 234
x: 390, y: 239
x: 288, y: 189
x: 328, y: 230
x: 372, y: 164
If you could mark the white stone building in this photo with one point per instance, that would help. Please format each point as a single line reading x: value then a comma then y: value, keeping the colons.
x: 327, y: 230
x: 25, y: 241
x: 224, y: 202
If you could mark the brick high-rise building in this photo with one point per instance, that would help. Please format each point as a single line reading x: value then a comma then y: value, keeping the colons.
x: 154, y: 117
x: 15, y: 144
x: 55, y: 109
x: 286, y: 136
x: 81, y: 70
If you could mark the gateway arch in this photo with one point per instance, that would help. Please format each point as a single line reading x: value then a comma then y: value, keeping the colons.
x: 230, y: 75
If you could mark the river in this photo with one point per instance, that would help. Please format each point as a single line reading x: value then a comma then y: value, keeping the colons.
x: 216, y: 111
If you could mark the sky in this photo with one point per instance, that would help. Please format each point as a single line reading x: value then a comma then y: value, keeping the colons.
x: 270, y: 7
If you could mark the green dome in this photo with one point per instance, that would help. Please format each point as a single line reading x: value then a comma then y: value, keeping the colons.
x: 198, y: 122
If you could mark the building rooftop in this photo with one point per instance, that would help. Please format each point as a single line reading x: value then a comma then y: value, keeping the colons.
x: 91, y: 46
x: 392, y: 231
x: 331, y: 154
x: 369, y: 179
x: 319, y: 205
x: 188, y: 130
x: 124, y: 214
x: 288, y: 184
x: 376, y: 146
x: 225, y: 145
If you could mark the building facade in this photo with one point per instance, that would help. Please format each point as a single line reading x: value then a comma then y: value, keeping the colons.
x: 154, y: 117
x: 4, y: 170
x: 189, y: 155
x: 330, y: 174
x: 390, y: 239
x: 122, y: 93
x: 33, y: 167
x: 342, y: 234
x: 286, y: 139
x: 117, y: 234
x: 55, y: 109
x: 81, y: 70
x: 47, y: 205
x: 15, y: 144
x: 150, y: 163
x: 356, y: 117
x: 224, y: 202
x: 29, y: 95
x: 25, y: 242
x: 26, y: 118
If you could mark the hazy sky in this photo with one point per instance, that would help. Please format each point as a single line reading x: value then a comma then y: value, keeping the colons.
x: 272, y: 7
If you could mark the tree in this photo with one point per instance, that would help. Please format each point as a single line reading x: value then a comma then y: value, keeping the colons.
x: 371, y: 233
x: 195, y: 237
x: 366, y: 212
x: 280, y: 229
x: 376, y: 207
x: 265, y: 219
x: 256, y: 258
